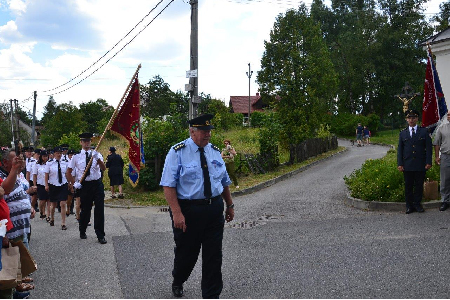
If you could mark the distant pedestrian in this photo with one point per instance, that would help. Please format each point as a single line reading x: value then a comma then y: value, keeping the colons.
x: 359, y: 134
x: 114, y: 163
x: 366, y: 133
x: 414, y: 158
x: 228, y: 154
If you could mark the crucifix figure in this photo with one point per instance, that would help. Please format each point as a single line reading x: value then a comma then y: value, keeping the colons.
x: 407, y: 96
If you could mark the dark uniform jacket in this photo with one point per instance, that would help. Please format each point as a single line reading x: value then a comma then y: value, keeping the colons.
x: 114, y: 164
x: 414, y: 153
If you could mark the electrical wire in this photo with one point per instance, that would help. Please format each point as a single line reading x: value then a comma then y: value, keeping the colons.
x: 116, y: 52
x: 108, y: 50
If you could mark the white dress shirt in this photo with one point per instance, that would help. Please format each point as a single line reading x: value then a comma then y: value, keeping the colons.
x: 78, y: 163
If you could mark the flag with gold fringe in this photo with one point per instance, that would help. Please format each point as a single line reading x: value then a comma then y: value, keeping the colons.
x: 127, y: 125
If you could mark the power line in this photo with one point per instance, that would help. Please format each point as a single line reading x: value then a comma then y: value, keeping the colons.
x: 108, y: 50
x: 116, y: 52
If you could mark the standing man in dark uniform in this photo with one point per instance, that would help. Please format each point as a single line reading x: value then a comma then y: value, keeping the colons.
x: 414, y: 158
x: 91, y: 189
x: 196, y: 184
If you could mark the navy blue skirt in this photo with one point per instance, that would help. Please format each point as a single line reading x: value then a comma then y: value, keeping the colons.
x: 42, y: 193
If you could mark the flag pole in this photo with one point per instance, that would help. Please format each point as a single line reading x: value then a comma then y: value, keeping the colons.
x: 114, y: 115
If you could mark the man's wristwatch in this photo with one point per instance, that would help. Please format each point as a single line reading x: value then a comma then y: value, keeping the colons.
x: 230, y: 206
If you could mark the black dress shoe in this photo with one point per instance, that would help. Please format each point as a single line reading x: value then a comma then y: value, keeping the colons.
x: 410, y: 210
x: 102, y: 241
x: 419, y: 208
x: 83, y: 236
x: 444, y: 206
x: 177, y: 291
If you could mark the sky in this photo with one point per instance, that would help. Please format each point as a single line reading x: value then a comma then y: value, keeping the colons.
x: 46, y: 44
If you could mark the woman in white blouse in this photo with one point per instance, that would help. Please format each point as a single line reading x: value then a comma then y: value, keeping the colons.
x: 38, y: 173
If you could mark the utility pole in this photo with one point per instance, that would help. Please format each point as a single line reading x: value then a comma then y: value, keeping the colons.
x: 33, y: 126
x: 193, y: 78
x: 249, y: 75
x: 12, y: 120
x: 17, y: 131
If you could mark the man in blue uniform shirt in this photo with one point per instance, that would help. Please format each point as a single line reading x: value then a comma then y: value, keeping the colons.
x: 414, y: 158
x: 196, y: 184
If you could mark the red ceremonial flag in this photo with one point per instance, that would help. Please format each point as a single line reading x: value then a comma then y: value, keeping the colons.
x: 127, y: 125
x: 434, y: 107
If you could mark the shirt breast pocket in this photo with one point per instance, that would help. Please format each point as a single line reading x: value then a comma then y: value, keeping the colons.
x: 81, y: 165
x: 218, y: 169
x: 191, y: 171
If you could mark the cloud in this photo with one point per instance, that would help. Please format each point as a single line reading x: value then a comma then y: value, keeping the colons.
x: 17, y: 6
x: 9, y: 33
x: 60, y: 23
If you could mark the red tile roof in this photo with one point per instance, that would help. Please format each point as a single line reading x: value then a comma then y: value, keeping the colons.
x: 239, y: 104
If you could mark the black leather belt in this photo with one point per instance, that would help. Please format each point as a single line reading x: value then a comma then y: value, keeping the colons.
x: 206, y: 201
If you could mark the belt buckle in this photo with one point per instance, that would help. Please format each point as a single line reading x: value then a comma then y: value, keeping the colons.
x: 209, y: 201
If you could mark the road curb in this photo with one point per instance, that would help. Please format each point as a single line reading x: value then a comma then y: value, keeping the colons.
x: 384, y: 206
x: 255, y: 188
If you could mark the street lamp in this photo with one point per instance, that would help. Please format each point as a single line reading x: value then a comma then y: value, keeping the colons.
x: 249, y: 75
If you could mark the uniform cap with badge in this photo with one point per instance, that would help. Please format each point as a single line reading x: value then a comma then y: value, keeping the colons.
x: 411, y: 113
x: 202, y: 122
x: 86, y: 136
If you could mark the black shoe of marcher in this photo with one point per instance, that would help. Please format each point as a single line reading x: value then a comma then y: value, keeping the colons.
x: 177, y: 291
x: 410, y: 210
x: 419, y: 208
x: 83, y: 236
x: 444, y: 206
x: 102, y: 241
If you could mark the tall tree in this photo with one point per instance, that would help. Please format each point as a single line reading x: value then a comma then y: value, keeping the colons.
x: 442, y: 18
x: 158, y: 100
x: 297, y: 67
x: 66, y: 119
x: 94, y: 113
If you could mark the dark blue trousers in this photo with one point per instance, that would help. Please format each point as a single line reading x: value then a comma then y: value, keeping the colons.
x: 93, y: 192
x: 413, y: 187
x: 205, y: 225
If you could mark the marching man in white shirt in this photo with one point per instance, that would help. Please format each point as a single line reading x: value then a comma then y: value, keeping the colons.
x: 91, y: 189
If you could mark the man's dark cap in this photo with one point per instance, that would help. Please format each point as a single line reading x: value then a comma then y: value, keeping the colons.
x: 65, y: 146
x: 412, y: 113
x: 112, y: 149
x: 71, y: 151
x: 202, y: 122
x: 43, y: 152
x: 57, y: 149
x: 38, y: 151
x: 86, y: 136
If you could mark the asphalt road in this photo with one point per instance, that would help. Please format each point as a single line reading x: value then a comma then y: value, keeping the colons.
x: 295, y: 239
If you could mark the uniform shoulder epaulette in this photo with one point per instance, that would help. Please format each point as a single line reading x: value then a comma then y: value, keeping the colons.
x: 215, y: 147
x: 179, y: 146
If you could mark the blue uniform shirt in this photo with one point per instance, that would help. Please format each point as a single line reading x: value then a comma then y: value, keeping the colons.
x: 182, y: 170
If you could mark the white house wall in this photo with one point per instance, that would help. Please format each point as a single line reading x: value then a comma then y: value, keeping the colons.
x: 442, y: 53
